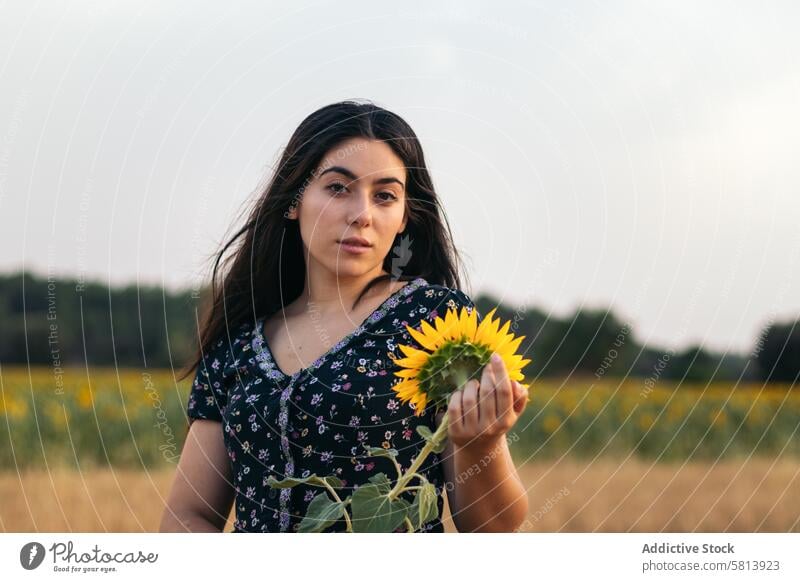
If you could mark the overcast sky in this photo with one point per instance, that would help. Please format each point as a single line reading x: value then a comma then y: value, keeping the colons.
x: 639, y: 157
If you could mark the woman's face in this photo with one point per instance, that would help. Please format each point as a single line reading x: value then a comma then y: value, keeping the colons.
x: 357, y: 191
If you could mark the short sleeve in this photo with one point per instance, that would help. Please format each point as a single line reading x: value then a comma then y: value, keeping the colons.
x: 437, y: 299
x: 453, y: 299
x: 209, y: 393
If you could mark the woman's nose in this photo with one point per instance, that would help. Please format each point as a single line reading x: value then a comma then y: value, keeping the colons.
x: 360, y: 210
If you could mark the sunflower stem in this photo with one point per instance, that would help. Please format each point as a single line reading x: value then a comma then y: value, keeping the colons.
x: 441, y: 432
x: 332, y: 491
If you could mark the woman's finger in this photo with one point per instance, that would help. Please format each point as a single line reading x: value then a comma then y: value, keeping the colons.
x: 504, y: 389
x: 520, y: 397
x: 454, y: 421
x: 488, y: 402
x: 469, y: 404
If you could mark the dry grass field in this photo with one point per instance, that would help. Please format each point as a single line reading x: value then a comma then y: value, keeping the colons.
x: 568, y: 495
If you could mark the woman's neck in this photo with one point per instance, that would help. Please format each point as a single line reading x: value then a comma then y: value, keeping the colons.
x: 334, y: 296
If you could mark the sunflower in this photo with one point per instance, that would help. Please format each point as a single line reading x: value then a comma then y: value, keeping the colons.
x: 456, y: 348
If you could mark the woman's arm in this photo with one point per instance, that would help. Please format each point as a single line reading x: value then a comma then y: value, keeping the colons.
x: 485, y: 492
x: 201, y: 495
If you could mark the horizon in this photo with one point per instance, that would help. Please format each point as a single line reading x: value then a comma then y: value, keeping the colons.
x: 191, y: 289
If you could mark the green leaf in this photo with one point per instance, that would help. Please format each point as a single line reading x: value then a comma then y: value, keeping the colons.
x: 424, y: 508
x: 312, y: 479
x: 381, y: 452
x: 322, y: 512
x: 374, y: 512
x: 284, y: 483
x: 424, y: 432
x: 382, y: 481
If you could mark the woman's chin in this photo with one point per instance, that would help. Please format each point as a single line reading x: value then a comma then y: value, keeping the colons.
x: 351, y: 268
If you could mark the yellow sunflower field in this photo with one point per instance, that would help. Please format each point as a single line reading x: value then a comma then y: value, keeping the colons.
x: 135, y: 418
x: 119, y: 417
x: 668, y: 422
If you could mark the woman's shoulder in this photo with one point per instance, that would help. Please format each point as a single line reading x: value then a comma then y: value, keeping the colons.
x: 433, y: 299
x: 229, y: 349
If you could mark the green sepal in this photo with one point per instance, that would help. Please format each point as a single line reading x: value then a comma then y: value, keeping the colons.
x: 449, y: 368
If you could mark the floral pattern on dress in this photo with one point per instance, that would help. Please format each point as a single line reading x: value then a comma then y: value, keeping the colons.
x: 320, y: 419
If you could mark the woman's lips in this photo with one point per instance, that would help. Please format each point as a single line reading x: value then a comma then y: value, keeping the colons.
x: 354, y: 248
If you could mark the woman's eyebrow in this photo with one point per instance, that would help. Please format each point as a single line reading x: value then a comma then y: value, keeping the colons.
x: 345, y: 172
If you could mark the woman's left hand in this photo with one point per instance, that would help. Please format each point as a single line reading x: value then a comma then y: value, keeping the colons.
x: 482, y: 412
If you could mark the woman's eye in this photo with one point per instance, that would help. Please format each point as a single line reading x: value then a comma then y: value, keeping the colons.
x: 335, y: 188
x: 338, y: 188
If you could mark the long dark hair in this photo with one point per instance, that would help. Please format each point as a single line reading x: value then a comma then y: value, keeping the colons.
x: 267, y: 268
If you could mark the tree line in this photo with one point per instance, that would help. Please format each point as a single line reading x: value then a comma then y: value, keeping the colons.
x: 66, y: 322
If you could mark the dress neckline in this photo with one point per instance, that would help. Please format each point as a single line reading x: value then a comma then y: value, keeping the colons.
x: 267, y: 360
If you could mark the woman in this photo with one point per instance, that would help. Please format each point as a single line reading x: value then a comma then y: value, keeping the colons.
x: 346, y: 246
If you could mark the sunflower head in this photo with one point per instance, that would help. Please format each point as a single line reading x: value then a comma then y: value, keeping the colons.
x: 455, y: 349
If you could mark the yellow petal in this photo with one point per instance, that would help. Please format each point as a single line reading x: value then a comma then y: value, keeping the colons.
x: 422, y: 401
x: 502, y: 335
x: 423, y: 340
x: 415, y: 362
x: 487, y: 329
x: 412, y: 352
x: 406, y: 389
x: 512, y: 347
x: 470, y: 323
x: 400, y: 385
x: 439, y: 326
x: 504, y: 329
x: 447, y: 327
x: 488, y: 317
x: 452, y: 323
x: 431, y: 332
x: 501, y: 345
x: 512, y: 362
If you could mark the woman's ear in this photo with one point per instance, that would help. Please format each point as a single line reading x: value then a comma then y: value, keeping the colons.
x: 292, y: 212
x: 403, y: 225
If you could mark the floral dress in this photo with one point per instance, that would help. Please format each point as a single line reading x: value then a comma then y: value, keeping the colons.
x: 320, y: 419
